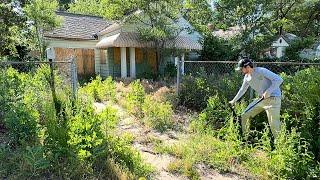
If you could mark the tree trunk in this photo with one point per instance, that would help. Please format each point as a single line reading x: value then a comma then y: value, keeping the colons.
x: 158, y: 58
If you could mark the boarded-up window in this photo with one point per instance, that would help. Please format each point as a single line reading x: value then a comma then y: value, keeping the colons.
x: 139, y: 55
x: 116, y: 55
x: 86, y: 63
x: 103, y: 56
x: 63, y: 54
x: 152, y: 59
x: 84, y: 59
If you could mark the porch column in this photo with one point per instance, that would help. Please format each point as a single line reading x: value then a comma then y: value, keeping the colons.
x: 132, y: 62
x: 123, y: 62
x: 182, y: 63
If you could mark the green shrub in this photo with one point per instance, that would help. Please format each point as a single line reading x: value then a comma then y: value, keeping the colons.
x: 302, y: 105
x: 196, y: 90
x: 100, y: 90
x: 157, y: 115
x: 109, y: 117
x: 170, y: 70
x: 215, y: 114
x: 293, y: 51
x: 135, y: 98
x: 121, y: 151
x: 35, y: 162
x: 18, y: 113
x: 290, y: 158
x: 85, y: 134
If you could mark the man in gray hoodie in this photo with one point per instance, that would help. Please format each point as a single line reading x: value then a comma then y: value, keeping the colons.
x: 267, y: 85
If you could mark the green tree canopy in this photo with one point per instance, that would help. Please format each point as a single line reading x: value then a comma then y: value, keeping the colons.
x: 12, y: 21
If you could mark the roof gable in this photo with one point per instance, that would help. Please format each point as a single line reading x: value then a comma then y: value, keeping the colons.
x: 78, y: 26
x: 187, y: 29
x: 280, y: 42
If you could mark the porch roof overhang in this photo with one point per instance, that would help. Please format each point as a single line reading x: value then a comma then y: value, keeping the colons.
x: 130, y: 39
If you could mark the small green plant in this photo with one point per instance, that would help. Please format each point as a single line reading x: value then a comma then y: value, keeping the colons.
x: 85, y: 134
x: 35, y: 161
x: 216, y: 112
x: 109, y: 118
x: 135, y: 98
x: 100, y: 90
x: 157, y: 115
x: 121, y: 151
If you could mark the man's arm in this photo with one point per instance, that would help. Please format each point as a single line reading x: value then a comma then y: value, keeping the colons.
x: 241, y: 91
x: 275, y: 79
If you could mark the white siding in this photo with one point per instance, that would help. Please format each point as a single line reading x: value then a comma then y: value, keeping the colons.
x: 280, y: 43
x: 104, y: 68
x: 183, y: 23
x: 97, y: 60
x: 88, y: 44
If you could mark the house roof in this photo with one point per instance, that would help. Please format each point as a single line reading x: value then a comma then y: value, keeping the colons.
x: 317, y: 45
x: 78, y: 26
x: 288, y: 37
x: 131, y: 39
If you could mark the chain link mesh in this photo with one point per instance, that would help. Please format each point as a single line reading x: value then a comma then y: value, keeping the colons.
x: 65, y: 70
x: 217, y: 68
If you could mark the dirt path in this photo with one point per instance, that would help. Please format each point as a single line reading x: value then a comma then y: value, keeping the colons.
x: 143, y: 142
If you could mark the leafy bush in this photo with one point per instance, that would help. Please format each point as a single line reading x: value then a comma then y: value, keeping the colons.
x: 290, y: 158
x: 121, y: 151
x: 196, y: 90
x: 157, y: 115
x: 214, y: 115
x: 85, y: 134
x: 293, y: 51
x: 301, y: 105
x: 170, y: 70
x: 100, y: 90
x: 135, y: 98
x: 215, y: 49
x: 18, y: 113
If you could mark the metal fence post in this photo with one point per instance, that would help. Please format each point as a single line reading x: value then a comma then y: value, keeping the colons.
x: 178, y: 74
x: 74, y: 78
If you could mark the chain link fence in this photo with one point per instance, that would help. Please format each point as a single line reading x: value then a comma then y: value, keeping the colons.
x: 221, y: 67
x: 218, y: 69
x: 66, y: 70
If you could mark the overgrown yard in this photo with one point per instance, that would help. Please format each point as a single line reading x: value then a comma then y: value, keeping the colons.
x: 142, y: 129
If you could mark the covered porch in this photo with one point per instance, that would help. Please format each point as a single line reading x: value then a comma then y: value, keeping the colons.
x: 125, y: 55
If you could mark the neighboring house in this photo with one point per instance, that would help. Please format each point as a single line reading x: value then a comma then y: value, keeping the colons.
x: 311, y: 53
x: 282, y: 42
x: 112, y: 49
x: 317, y: 49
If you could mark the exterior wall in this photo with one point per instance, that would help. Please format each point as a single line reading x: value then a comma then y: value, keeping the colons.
x: 104, y: 65
x: 97, y: 63
x: 61, y: 43
x: 183, y: 23
x: 280, y: 43
x: 310, y: 54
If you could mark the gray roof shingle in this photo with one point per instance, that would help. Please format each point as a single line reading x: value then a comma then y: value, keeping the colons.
x: 78, y: 26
